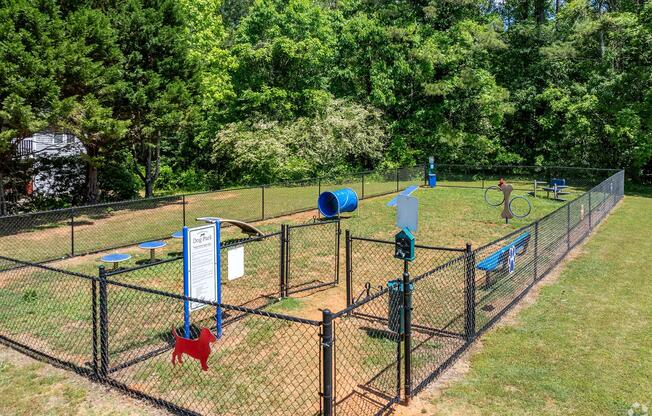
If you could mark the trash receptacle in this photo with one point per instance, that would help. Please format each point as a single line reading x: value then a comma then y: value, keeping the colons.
x: 432, y: 180
x: 396, y: 321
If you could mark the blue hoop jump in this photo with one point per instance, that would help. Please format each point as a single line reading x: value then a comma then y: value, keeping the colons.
x: 115, y: 258
x: 333, y: 203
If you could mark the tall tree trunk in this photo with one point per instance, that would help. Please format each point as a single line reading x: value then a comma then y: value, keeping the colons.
x: 149, y: 184
x: 152, y: 167
x: 92, y: 188
x: 540, y: 11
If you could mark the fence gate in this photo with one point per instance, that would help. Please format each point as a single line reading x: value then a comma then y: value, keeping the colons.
x: 312, y: 255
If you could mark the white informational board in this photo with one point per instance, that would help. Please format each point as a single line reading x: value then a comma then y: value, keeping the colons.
x: 407, y: 212
x: 202, y: 265
x: 236, y: 262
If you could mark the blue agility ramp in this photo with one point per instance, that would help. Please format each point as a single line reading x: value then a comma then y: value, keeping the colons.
x: 407, y: 191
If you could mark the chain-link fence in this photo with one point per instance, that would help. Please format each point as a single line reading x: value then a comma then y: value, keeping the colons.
x: 52, y: 235
x: 457, y: 293
x: 368, y: 269
x: 401, y: 328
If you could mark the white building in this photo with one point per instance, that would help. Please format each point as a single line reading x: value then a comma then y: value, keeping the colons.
x: 48, y: 145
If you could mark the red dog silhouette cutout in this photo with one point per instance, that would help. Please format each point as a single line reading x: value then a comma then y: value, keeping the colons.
x: 198, y: 348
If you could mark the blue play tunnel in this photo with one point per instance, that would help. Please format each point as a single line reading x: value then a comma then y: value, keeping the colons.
x: 333, y: 203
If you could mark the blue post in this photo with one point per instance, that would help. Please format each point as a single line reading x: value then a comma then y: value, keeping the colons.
x: 218, y: 246
x: 186, y: 283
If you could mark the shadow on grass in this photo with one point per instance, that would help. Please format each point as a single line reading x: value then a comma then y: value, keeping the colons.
x: 640, y: 190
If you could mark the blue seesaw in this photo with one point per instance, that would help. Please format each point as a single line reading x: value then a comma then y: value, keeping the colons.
x: 408, y: 191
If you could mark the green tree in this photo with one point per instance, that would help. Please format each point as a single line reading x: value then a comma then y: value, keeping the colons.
x: 30, y: 32
x: 90, y: 80
x: 159, y: 79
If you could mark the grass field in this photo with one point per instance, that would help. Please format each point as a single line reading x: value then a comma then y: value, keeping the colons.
x: 140, y: 322
x: 55, y: 236
x: 447, y: 217
x: 584, y: 348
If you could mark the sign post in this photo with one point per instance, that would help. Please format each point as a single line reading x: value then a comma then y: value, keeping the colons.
x: 201, y: 271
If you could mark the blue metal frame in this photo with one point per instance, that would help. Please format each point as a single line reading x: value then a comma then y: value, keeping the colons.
x: 186, y: 284
x: 186, y: 280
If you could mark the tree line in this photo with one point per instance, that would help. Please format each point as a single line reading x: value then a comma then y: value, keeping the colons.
x: 198, y: 94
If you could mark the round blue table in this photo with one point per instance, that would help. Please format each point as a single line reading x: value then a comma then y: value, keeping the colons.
x: 178, y: 234
x: 115, y: 258
x: 152, y: 246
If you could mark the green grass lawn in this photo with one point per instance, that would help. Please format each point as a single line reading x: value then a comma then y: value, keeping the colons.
x: 28, y: 387
x: 100, y: 228
x: 585, y: 347
x: 140, y: 323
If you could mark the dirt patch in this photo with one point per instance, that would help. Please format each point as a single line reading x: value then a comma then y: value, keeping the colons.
x: 313, y: 302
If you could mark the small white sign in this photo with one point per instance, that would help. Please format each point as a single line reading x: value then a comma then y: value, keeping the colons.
x: 407, y: 212
x: 512, y: 259
x: 202, y: 265
x: 235, y: 262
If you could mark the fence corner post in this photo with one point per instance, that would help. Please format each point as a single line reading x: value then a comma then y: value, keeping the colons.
x: 347, y: 265
x: 407, y: 331
x: 469, y: 294
x: 104, y: 326
x: 327, y: 362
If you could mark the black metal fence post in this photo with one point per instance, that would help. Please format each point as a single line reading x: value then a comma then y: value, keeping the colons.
x: 469, y: 294
x: 327, y: 362
x: 183, y: 202
x: 262, y: 215
x: 104, y: 326
x: 397, y: 180
x: 536, y: 250
x: 568, y: 226
x: 338, y: 234
x: 426, y: 172
x: 362, y: 186
x: 287, y: 260
x: 72, y: 233
x: 282, y: 288
x: 95, y: 325
x: 407, y: 332
x: 347, y: 261
x: 590, y: 212
x: 318, y: 193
